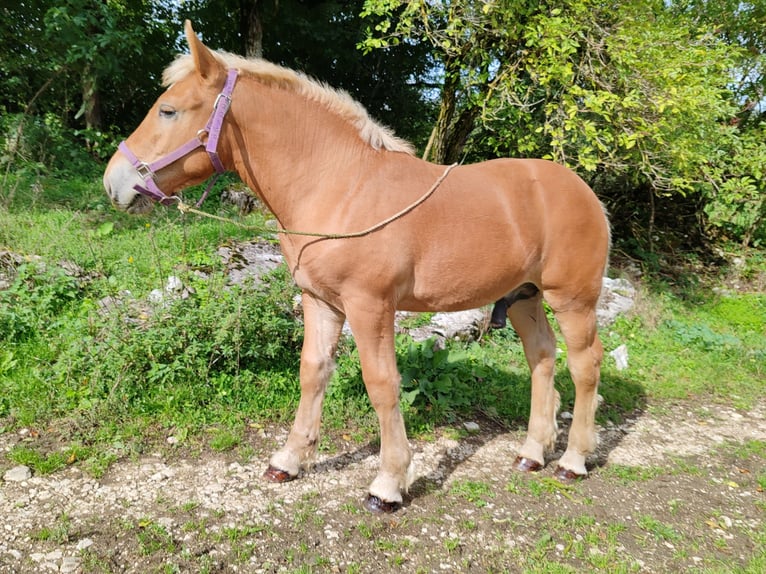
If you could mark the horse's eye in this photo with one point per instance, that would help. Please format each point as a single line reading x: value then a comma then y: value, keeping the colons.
x: 167, y: 112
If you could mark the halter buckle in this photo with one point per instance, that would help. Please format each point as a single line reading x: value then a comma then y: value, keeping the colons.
x: 145, y: 171
x: 218, y: 100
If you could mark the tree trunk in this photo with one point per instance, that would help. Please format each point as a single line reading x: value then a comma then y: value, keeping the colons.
x: 450, y: 134
x: 91, y: 99
x: 251, y: 28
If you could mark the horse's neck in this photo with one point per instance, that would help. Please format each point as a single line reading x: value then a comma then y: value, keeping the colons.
x: 293, y: 152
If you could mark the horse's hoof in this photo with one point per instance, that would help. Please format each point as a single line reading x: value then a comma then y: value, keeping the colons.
x: 377, y: 505
x: 566, y: 476
x: 527, y: 464
x: 275, y: 475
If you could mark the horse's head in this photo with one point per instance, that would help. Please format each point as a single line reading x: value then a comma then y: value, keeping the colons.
x: 175, y: 145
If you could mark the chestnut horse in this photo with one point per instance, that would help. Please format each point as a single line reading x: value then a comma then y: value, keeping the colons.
x: 522, y: 230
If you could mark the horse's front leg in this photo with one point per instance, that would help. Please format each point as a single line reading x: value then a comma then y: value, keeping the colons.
x: 323, y: 325
x: 372, y: 323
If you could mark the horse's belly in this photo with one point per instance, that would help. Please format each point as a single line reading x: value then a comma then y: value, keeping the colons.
x: 462, y: 284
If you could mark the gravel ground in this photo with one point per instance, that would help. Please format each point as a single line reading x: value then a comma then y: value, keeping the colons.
x: 674, y: 489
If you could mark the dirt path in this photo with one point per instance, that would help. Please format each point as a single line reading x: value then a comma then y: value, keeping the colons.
x: 677, y: 489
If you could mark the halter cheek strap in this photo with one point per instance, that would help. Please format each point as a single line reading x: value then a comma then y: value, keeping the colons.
x: 213, y: 127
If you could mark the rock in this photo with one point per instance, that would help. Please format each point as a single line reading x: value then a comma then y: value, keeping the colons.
x: 156, y: 296
x: 617, y: 297
x: 174, y: 285
x: 464, y: 325
x: 250, y: 260
x: 620, y: 356
x: 471, y: 427
x: 84, y: 543
x: 18, y: 474
x: 69, y: 564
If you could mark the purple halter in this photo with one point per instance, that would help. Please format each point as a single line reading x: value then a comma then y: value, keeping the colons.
x: 213, y: 131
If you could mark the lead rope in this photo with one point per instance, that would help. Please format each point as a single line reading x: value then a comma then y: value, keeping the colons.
x: 260, y: 229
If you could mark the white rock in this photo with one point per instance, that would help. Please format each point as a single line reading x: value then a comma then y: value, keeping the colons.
x: 174, y: 285
x: 69, y: 564
x: 18, y: 474
x: 16, y: 554
x: 471, y: 427
x: 84, y: 543
x: 620, y: 356
x: 156, y: 296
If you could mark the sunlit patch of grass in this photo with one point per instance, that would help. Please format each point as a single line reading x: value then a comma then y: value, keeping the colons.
x: 626, y: 474
x: 475, y: 492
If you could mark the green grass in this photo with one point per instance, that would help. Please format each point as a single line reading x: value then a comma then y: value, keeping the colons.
x: 224, y: 358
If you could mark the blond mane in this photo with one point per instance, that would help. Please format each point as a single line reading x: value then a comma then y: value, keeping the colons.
x: 336, y: 101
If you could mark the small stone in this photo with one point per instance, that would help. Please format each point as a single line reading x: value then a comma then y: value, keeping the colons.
x: 566, y: 416
x: 53, y: 556
x: 84, y: 543
x: 18, y: 474
x: 471, y: 427
x: 69, y: 564
x: 620, y: 356
x: 174, y: 285
x: 172, y: 440
x: 156, y: 296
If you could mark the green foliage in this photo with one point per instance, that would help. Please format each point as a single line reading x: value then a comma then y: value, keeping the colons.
x: 631, y: 95
x: 34, y: 301
x: 737, y: 192
x: 215, y: 347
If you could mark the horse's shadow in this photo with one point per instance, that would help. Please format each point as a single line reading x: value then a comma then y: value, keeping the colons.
x: 623, y: 402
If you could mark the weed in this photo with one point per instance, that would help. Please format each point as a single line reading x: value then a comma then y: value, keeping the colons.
x: 658, y: 529
x: 365, y: 530
x: 153, y: 537
x: 224, y: 440
x: 473, y: 491
x: 451, y: 544
x: 40, y: 463
x: 627, y: 474
x: 60, y: 532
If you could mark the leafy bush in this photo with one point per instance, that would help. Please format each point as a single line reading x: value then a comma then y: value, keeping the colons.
x: 43, y: 143
x: 35, y: 299
x: 219, y: 346
x: 736, y: 198
x: 214, y: 347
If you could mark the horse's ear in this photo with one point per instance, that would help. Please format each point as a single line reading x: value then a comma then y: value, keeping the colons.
x: 204, y: 61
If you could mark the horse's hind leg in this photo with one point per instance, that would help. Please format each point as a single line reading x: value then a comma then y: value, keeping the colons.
x: 528, y: 319
x: 322, y: 330
x: 584, y: 355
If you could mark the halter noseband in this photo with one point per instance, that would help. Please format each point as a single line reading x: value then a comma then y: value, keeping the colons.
x: 213, y: 131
